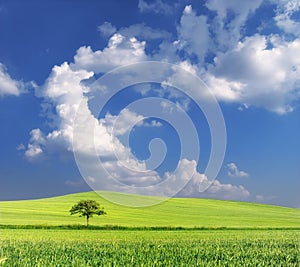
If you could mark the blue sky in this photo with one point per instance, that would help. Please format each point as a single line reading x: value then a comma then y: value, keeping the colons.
x: 246, y: 52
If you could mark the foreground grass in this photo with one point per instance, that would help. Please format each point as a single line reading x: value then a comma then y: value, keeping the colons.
x: 174, y: 212
x: 37, y: 247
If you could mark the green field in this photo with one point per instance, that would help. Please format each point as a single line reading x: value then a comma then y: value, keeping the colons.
x: 31, y: 247
x: 42, y: 233
x: 176, y: 212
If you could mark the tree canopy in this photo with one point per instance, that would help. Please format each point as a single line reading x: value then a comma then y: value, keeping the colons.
x: 87, y: 208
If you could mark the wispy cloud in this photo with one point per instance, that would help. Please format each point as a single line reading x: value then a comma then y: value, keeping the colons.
x: 156, y: 6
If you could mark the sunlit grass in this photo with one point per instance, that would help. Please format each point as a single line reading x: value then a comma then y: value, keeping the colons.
x: 183, y: 212
x: 23, y: 247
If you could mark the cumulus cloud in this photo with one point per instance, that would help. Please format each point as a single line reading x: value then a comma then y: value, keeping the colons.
x: 201, y: 186
x: 9, y: 86
x: 125, y: 121
x: 120, y: 51
x: 233, y: 171
x: 226, y: 191
x: 245, y: 69
x: 252, y: 72
x: 121, y: 123
x: 196, y: 43
x: 63, y: 91
x: 66, y: 93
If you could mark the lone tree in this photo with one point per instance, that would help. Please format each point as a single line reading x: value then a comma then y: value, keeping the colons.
x: 87, y: 208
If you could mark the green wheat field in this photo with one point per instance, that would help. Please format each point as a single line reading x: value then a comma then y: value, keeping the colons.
x: 177, y: 232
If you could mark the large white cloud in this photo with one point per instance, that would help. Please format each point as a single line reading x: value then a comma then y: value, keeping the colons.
x: 65, y: 92
x: 257, y: 70
x: 260, y: 71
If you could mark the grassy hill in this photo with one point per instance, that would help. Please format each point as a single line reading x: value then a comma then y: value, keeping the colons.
x: 185, y: 212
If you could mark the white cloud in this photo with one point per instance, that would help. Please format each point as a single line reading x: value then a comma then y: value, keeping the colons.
x: 168, y: 52
x: 64, y: 82
x: 246, y: 70
x: 240, y: 9
x: 152, y: 123
x: 156, y: 6
x: 121, y: 123
x: 233, y: 171
x: 252, y: 72
x: 186, y: 171
x: 226, y: 191
x: 230, y: 20
x: 37, y: 140
x: 215, y: 189
x: 193, y: 33
x: 284, y: 13
x: 65, y: 92
x: 224, y: 89
x: 124, y: 122
x: 120, y: 51
x: 33, y: 151
x: 187, y: 66
x: 9, y: 86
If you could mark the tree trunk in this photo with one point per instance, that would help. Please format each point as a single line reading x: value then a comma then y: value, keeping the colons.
x: 87, y: 220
